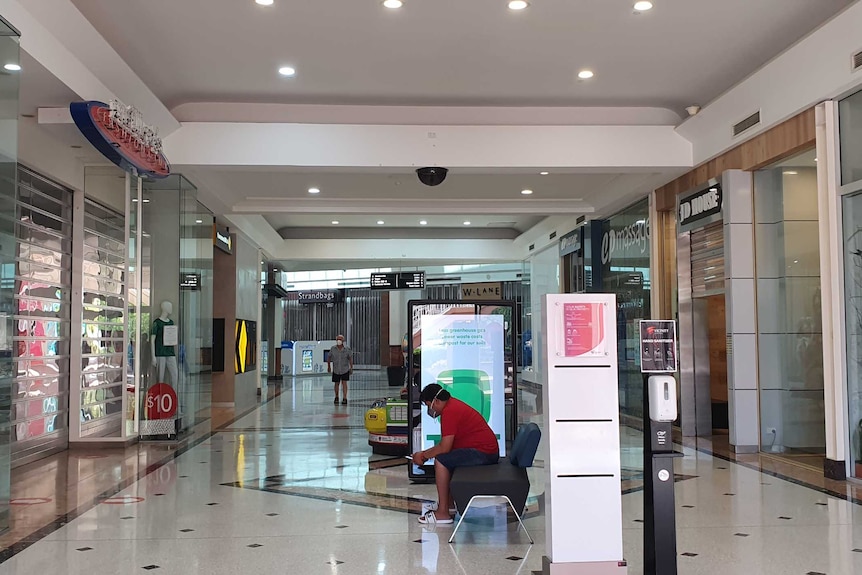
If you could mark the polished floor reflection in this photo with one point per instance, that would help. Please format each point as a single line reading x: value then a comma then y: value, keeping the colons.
x: 292, y: 487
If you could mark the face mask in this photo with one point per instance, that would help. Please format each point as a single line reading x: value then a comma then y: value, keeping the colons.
x: 339, y: 343
x: 431, y: 413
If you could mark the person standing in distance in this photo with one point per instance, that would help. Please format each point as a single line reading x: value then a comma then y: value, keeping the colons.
x: 466, y: 441
x: 340, y: 365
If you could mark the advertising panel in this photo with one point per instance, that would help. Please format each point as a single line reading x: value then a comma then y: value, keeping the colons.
x: 658, y: 346
x: 465, y: 354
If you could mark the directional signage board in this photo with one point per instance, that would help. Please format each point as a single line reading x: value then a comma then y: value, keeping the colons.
x: 398, y: 280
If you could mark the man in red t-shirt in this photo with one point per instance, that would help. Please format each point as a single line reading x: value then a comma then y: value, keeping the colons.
x: 466, y: 441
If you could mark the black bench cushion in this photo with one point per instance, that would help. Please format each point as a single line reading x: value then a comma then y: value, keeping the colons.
x: 499, y: 479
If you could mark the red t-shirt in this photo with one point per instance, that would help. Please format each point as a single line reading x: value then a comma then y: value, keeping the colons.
x: 468, y: 426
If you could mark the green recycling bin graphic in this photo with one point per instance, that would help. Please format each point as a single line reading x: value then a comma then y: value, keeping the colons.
x: 472, y: 386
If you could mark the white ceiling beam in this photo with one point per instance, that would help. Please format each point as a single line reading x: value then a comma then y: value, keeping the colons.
x: 391, y: 250
x: 56, y: 34
x: 816, y: 68
x: 374, y: 146
x: 409, y: 206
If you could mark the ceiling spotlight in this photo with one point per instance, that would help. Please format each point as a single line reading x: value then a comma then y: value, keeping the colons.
x: 643, y: 6
x: 13, y: 67
x: 199, y: 221
x: 518, y: 4
x: 335, y: 222
x: 527, y: 192
x: 380, y: 222
x: 287, y: 71
x: 543, y: 173
x: 146, y: 201
x: 585, y: 74
x: 466, y: 223
x: 790, y: 173
x: 313, y: 190
x: 393, y: 4
x: 423, y: 222
x: 265, y: 2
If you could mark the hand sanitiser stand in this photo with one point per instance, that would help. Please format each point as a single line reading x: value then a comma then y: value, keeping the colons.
x: 658, y: 363
x: 583, y: 503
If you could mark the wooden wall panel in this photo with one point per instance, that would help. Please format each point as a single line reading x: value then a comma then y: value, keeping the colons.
x: 786, y: 139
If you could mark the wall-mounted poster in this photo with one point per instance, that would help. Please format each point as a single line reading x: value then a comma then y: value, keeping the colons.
x: 246, y: 346
x: 584, y: 330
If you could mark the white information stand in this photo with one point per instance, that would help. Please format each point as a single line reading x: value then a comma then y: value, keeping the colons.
x: 583, y: 503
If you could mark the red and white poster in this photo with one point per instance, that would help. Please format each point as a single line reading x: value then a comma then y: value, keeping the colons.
x: 161, y: 402
x: 584, y: 330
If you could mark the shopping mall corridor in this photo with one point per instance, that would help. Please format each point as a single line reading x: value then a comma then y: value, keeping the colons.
x: 292, y: 487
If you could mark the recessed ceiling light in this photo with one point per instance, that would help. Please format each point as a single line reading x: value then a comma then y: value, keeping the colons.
x: 313, y: 190
x: 199, y: 221
x: 423, y: 223
x: 287, y: 71
x: 335, y: 222
x: 643, y: 6
x: 527, y: 192
x: 134, y: 199
x: 13, y: 67
x: 585, y: 74
x: 543, y: 173
x: 264, y: 2
x: 146, y: 201
x: 467, y: 223
x: 518, y: 4
x: 380, y: 222
x: 393, y: 4
x: 790, y: 173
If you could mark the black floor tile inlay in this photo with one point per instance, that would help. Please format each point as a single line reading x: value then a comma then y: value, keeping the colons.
x: 186, y: 530
x: 130, y: 517
x: 151, y: 567
x: 342, y: 526
x: 271, y: 514
x: 211, y: 504
x: 689, y: 554
x: 785, y: 518
x: 823, y: 504
x: 740, y: 534
x: 158, y: 495
x: 638, y: 521
x: 418, y: 541
x: 514, y: 558
x: 688, y: 506
x: 730, y: 494
x: 254, y: 545
x: 84, y: 549
x: 815, y: 573
x: 335, y: 562
x: 857, y: 551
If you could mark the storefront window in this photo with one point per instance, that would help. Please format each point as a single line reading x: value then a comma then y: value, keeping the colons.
x: 790, y: 338
x: 544, y: 279
x: 8, y: 168
x: 619, y: 263
x: 850, y: 114
x: 853, y: 319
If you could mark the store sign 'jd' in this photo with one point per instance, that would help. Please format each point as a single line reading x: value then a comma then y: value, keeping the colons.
x: 120, y: 134
x: 700, y: 208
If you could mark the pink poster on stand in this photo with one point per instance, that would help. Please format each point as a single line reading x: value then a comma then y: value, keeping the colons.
x: 584, y: 329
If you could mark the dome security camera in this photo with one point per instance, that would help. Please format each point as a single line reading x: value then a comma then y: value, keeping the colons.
x: 432, y: 176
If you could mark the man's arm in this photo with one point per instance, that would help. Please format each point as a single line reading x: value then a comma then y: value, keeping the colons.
x: 329, y: 362
x: 350, y: 358
x: 445, y: 446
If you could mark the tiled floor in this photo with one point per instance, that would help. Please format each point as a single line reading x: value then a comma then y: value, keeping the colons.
x: 292, y: 488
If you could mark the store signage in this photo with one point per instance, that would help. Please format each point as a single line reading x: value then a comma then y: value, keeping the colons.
x: 700, y: 208
x: 317, y: 296
x: 658, y: 346
x: 161, y: 402
x: 398, y: 280
x: 571, y: 242
x: 190, y: 281
x: 120, y: 134
x: 629, y: 241
x: 222, y: 239
x: 482, y: 291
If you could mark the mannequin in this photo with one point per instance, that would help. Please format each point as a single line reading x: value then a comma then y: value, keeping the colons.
x: 163, y: 345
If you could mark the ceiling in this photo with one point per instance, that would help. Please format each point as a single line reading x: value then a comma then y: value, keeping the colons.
x: 217, y: 60
x: 451, y: 52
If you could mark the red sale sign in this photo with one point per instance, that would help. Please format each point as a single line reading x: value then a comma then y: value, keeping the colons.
x: 161, y: 402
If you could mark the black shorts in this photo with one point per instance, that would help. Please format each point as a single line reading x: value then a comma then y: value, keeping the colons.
x: 337, y: 377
